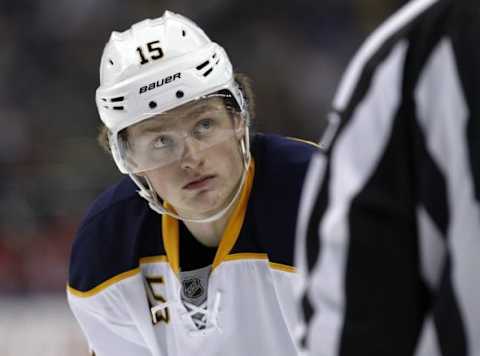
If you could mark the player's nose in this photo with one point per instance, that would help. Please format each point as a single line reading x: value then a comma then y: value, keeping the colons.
x: 192, y: 155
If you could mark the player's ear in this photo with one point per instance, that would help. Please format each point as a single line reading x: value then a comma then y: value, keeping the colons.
x: 239, y: 126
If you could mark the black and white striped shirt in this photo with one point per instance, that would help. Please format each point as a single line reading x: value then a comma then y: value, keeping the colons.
x: 389, y: 226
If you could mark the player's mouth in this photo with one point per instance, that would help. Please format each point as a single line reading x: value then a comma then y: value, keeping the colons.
x: 199, y: 183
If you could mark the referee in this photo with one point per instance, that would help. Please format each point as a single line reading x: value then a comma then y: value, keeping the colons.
x: 389, y: 226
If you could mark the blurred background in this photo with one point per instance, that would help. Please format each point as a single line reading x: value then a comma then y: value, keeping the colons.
x: 50, y: 165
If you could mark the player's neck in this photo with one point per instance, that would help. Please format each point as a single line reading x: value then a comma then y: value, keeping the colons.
x: 209, y: 233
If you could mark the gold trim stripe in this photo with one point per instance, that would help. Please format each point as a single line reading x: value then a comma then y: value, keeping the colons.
x: 246, y: 256
x: 170, y: 236
x: 103, y: 285
x: 117, y: 278
x: 162, y: 258
x: 235, y: 222
x: 260, y: 256
x: 153, y: 259
x: 282, y: 267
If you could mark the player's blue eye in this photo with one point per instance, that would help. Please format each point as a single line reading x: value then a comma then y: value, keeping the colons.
x: 162, y: 142
x: 204, y: 127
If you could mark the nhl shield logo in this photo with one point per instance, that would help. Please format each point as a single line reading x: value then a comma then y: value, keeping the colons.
x: 193, y: 288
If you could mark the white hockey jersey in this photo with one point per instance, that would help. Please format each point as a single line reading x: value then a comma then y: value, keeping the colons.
x: 124, y: 287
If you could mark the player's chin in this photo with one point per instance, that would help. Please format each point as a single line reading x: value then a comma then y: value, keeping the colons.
x: 209, y: 202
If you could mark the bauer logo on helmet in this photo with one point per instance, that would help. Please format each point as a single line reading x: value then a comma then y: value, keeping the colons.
x: 159, y: 83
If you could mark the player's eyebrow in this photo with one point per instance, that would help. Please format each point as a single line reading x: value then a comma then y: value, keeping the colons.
x: 156, y: 125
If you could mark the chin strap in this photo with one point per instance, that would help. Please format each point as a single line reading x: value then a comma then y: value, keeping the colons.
x: 148, y: 193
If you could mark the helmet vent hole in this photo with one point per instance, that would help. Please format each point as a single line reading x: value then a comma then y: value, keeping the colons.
x: 179, y: 94
x: 207, y: 72
x: 184, y: 33
x: 203, y: 65
x: 214, y: 55
x: 152, y: 104
x: 110, y: 61
x: 118, y: 108
x: 117, y: 99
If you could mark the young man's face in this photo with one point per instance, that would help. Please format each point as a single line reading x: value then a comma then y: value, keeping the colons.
x: 200, y: 161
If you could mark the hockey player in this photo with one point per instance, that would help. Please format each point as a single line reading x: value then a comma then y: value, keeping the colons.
x: 212, y: 275
x: 390, y: 222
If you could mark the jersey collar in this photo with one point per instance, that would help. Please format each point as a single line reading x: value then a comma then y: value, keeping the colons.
x: 170, y: 228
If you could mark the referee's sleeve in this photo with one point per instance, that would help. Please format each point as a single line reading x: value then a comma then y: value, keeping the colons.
x: 389, y: 225
x: 364, y: 287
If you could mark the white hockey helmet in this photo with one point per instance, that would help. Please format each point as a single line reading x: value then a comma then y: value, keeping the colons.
x: 155, y: 66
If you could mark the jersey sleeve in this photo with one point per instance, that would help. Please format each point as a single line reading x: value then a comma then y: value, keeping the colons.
x: 107, y: 326
x: 105, y: 288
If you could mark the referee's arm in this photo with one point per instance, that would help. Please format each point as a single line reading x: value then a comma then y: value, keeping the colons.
x: 390, y: 221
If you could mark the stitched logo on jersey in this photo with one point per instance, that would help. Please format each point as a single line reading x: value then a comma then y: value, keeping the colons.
x: 193, y: 288
x: 153, y: 283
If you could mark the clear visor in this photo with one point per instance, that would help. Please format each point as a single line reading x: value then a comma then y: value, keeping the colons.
x: 162, y: 141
